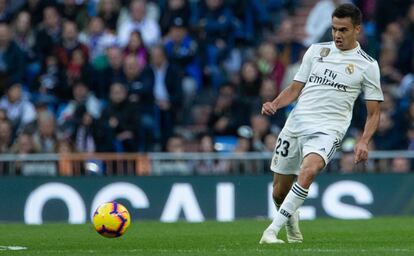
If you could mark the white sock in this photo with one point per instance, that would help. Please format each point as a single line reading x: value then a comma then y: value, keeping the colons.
x: 292, y: 202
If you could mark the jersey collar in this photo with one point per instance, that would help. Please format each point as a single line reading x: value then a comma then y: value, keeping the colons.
x: 358, y: 47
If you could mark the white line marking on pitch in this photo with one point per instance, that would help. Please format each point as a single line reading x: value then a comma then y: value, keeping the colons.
x: 12, y: 248
x: 354, y: 250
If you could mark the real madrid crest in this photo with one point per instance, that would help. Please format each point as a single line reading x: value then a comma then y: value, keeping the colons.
x: 349, y: 69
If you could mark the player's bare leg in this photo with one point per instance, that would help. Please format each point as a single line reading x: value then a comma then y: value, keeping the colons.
x: 311, y: 166
x: 281, y: 187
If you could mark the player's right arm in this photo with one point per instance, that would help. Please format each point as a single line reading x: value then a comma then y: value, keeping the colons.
x: 287, y: 96
x: 292, y: 92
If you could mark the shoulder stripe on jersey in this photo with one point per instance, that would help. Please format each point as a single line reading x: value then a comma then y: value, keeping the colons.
x: 364, y: 52
x: 366, y: 56
x: 369, y: 57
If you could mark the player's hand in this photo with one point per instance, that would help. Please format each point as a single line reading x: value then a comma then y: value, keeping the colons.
x: 361, y: 152
x: 269, y: 109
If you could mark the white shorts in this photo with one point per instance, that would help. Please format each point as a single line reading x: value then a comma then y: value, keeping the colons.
x: 290, y: 151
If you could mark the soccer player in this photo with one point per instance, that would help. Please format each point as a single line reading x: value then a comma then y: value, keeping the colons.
x: 329, y: 80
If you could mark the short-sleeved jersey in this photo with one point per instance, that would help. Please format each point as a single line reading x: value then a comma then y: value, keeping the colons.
x: 333, y: 80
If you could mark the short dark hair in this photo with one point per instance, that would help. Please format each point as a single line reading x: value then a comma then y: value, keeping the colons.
x: 348, y: 10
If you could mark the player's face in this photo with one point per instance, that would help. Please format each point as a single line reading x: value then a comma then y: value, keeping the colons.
x: 344, y: 33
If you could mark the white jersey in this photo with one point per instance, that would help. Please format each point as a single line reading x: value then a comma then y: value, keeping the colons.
x: 333, y: 80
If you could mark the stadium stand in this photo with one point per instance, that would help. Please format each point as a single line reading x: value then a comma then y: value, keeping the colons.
x: 137, y: 76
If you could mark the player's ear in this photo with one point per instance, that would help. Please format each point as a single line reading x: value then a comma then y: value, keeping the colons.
x: 358, y: 29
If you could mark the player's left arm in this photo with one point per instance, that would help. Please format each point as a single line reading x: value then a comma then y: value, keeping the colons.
x: 373, y: 97
x: 371, y: 124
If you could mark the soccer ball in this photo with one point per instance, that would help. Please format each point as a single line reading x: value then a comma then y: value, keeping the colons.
x: 111, y: 219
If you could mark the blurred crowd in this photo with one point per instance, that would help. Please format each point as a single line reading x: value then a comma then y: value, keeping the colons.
x: 183, y: 75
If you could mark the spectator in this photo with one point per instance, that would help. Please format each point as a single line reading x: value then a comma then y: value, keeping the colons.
x: 49, y: 33
x: 24, y: 145
x: 45, y: 138
x: 3, y: 114
x: 207, y: 166
x: 108, y: 11
x: 410, y: 136
x: 250, y: 82
x: 23, y: 35
x: 206, y: 43
x: 136, y: 48
x: 114, y: 72
x: 260, y: 128
x: 6, y: 136
x: 6, y: 139
x: 405, y: 62
x: 388, y: 11
x: 35, y: 8
x: 167, y: 91
x: 347, y: 163
x: 63, y: 148
x: 392, y: 35
x: 387, y: 136
x: 97, y: 39
x: 70, y: 43
x: 389, y: 56
x: 216, y: 31
x: 197, y: 121
x: 269, y: 65
x: 289, y: 46
x: 175, y: 145
x: 244, y: 145
x: 254, y: 18
x: 140, y: 83
x: 319, y: 20
x: 270, y: 142
x: 291, y: 71
x: 149, y: 29
x: 20, y: 111
x: 346, y: 156
x: 81, y: 97
x: 48, y: 86
x: 400, y: 165
x: 121, y: 117
x: 78, y: 69
x: 182, y: 50
x: 12, y: 63
x: 228, y: 113
x: 172, y: 10
x: 75, y: 11
x: 267, y: 93
x: 5, y: 15
x: 89, y: 134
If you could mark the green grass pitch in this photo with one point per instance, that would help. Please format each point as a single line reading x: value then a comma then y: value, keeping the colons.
x: 378, y: 236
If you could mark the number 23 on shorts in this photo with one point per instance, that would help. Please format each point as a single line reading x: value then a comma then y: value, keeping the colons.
x: 282, y: 147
